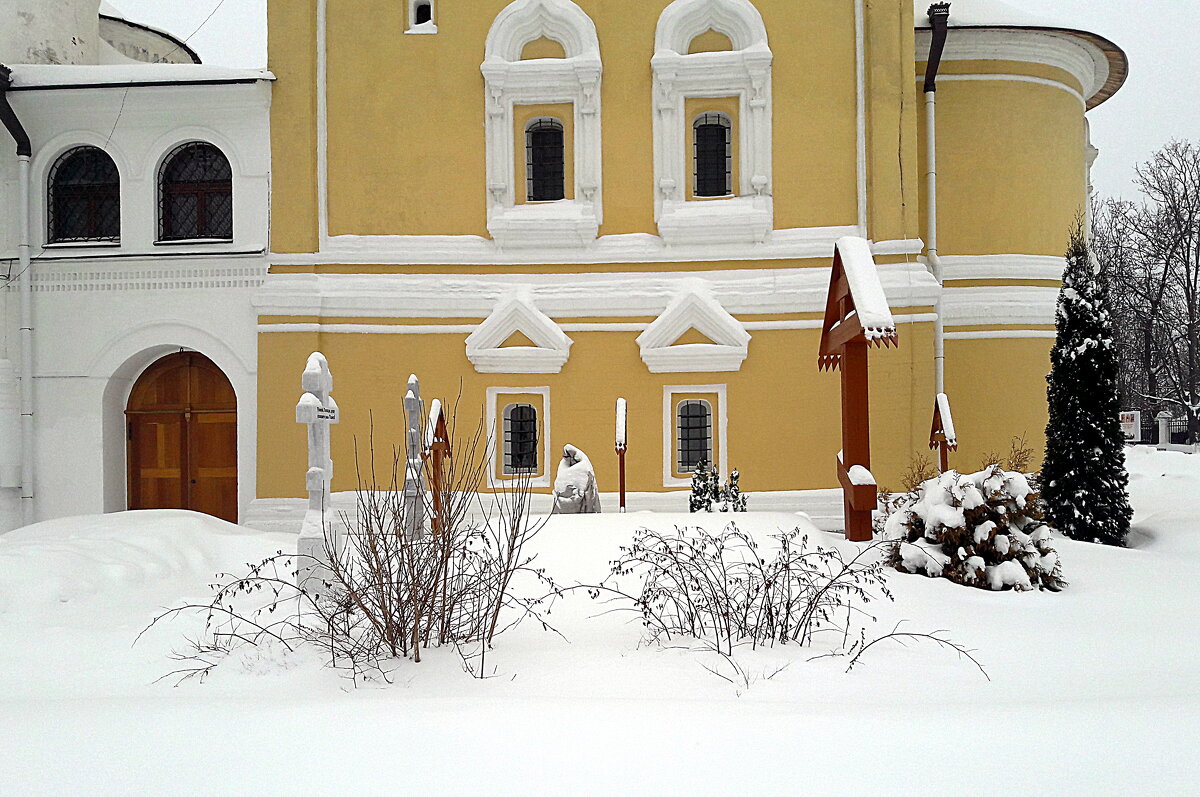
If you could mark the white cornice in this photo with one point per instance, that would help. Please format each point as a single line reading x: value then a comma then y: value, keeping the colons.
x: 1082, y: 59
x: 1006, y: 267
x: 1017, y: 305
x: 751, y: 291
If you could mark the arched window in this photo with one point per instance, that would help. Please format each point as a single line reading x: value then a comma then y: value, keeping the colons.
x: 84, y: 197
x: 544, y: 160
x: 520, y: 439
x: 422, y: 12
x: 195, y: 194
x: 694, y: 423
x: 712, y: 137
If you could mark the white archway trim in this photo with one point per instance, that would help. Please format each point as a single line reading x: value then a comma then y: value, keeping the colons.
x: 517, y: 314
x: 510, y: 81
x: 694, y: 307
x: 744, y: 72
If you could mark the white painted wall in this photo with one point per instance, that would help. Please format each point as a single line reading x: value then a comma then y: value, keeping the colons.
x: 49, y: 31
x: 102, y: 314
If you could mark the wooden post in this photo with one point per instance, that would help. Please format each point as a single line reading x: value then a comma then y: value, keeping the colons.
x: 859, y: 499
x: 622, y: 446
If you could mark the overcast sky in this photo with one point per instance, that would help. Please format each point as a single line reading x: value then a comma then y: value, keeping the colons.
x: 1160, y: 101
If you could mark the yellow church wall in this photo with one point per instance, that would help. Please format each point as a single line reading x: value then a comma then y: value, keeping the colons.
x: 1011, y: 171
x: 405, y: 117
x: 291, y: 27
x: 783, y: 414
x: 997, y: 387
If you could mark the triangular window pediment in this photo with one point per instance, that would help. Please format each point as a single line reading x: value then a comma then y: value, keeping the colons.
x: 517, y: 338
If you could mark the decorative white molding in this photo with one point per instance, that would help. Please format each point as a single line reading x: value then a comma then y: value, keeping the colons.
x: 509, y: 81
x: 496, y: 435
x: 1085, y: 61
x: 998, y: 334
x: 996, y: 77
x: 744, y: 72
x: 562, y: 295
x: 1015, y: 305
x: 514, y: 314
x: 694, y: 308
x: 797, y: 243
x: 721, y: 422
x: 1002, y: 267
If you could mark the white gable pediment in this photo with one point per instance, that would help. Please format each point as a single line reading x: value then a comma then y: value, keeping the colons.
x: 517, y: 315
x: 694, y: 308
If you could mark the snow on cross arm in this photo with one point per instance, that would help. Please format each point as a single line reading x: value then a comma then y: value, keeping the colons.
x: 870, y: 302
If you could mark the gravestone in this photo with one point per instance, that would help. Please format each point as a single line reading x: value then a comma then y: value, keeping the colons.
x: 318, y: 540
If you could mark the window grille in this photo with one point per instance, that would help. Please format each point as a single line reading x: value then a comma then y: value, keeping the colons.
x: 695, y: 434
x: 520, y: 439
x: 544, y: 160
x: 84, y: 197
x: 422, y: 13
x: 713, y: 143
x: 195, y: 194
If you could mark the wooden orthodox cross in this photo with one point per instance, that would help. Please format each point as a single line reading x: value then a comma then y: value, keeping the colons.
x: 941, y: 435
x: 318, y: 410
x: 436, y: 452
x: 857, y: 316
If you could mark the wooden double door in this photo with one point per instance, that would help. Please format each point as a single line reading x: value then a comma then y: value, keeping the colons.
x: 182, y: 438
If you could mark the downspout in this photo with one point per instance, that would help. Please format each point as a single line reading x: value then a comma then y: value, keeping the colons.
x: 939, y: 19
x: 25, y: 289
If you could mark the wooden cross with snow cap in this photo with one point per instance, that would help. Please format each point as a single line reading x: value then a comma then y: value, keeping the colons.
x: 318, y: 411
x: 857, y: 317
x: 941, y: 435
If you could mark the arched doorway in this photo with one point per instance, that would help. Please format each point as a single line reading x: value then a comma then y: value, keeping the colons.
x: 182, y: 438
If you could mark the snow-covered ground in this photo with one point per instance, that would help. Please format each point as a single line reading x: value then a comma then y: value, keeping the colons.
x: 1093, y: 690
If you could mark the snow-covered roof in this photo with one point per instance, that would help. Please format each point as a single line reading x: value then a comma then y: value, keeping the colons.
x: 107, y: 10
x: 1112, y: 65
x: 27, y: 76
x: 943, y: 411
x: 870, y: 302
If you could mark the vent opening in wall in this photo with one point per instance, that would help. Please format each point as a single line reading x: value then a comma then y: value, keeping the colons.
x: 544, y: 160
x: 420, y: 17
x: 713, y: 144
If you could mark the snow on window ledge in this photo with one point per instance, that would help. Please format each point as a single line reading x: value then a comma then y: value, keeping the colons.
x: 741, y: 220
x: 425, y: 28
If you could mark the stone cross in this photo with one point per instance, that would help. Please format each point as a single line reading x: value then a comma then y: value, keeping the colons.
x: 414, y: 493
x: 318, y: 410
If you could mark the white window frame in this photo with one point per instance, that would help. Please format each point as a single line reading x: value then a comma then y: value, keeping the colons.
x: 745, y: 73
x: 510, y: 81
x: 425, y: 28
x: 496, y: 434
x: 720, y: 420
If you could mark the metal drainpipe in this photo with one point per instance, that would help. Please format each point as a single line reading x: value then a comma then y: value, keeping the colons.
x: 25, y: 288
x: 939, y: 18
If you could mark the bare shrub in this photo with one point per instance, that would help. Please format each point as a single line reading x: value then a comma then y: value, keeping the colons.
x: 388, y: 592
x: 719, y: 588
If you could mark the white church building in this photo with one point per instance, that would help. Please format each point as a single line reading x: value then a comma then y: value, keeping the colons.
x: 134, y: 192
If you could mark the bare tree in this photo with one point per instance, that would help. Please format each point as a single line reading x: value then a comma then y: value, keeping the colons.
x: 1151, y: 253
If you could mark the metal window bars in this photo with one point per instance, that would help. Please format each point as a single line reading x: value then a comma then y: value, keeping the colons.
x: 544, y: 160
x: 195, y: 194
x: 694, y: 434
x: 520, y: 439
x: 84, y: 197
x: 712, y: 135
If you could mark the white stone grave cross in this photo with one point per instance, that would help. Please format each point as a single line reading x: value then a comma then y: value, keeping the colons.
x: 318, y: 410
x: 414, y: 494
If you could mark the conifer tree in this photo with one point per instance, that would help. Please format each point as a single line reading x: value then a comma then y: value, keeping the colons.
x: 1084, y: 481
x: 702, y: 488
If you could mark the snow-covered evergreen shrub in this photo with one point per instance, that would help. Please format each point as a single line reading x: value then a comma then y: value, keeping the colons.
x: 984, y: 529
x: 709, y: 495
x: 1085, y: 483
